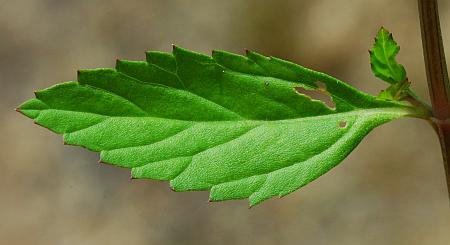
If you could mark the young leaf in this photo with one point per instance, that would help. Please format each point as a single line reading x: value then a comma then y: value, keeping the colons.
x: 235, y: 125
x: 382, y: 58
x: 397, y: 91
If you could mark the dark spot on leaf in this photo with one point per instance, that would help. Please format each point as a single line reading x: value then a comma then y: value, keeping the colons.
x: 266, y: 83
x: 342, y: 124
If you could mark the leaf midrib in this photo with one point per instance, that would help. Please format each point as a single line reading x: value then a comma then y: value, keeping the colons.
x: 385, y: 56
x: 401, y: 111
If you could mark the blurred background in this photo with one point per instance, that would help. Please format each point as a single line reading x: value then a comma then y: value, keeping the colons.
x: 390, y: 190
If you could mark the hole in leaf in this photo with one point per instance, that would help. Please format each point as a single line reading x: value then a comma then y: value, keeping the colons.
x: 342, y: 124
x: 320, y: 94
x: 321, y: 85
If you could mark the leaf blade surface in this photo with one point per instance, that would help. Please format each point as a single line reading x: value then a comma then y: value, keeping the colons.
x: 235, y: 125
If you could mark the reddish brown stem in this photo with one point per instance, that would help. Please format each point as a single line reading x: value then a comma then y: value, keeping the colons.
x: 437, y: 76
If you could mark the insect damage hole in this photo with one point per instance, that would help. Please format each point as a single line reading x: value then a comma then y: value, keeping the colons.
x: 343, y: 124
x: 320, y: 94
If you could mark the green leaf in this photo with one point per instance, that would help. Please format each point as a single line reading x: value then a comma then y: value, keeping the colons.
x: 382, y: 58
x: 235, y: 125
x: 397, y: 91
